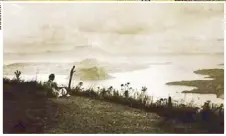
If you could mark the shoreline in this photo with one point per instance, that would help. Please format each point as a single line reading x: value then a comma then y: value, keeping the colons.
x: 215, y: 86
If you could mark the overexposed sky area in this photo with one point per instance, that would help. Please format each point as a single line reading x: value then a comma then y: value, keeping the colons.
x: 113, y: 28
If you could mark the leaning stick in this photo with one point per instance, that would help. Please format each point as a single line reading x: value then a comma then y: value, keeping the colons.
x: 71, y: 74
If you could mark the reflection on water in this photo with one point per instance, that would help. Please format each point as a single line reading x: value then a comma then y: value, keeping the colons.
x: 155, y: 78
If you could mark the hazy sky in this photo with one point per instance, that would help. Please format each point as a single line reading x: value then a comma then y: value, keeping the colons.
x: 113, y: 28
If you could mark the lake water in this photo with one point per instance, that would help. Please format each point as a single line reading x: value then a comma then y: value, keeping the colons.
x: 161, y: 70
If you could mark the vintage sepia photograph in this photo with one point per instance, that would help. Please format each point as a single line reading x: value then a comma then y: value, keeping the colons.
x: 113, y: 68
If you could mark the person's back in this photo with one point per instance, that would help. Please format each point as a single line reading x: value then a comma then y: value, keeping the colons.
x: 52, y: 86
x: 54, y: 90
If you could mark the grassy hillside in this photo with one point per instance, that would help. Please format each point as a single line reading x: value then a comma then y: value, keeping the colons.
x: 26, y: 109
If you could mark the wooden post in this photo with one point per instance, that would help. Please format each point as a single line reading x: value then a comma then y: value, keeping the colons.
x: 71, y: 74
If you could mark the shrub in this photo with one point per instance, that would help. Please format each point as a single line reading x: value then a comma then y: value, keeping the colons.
x: 17, y: 73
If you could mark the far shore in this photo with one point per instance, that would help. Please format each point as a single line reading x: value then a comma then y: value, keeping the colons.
x: 57, y: 67
x: 215, y: 86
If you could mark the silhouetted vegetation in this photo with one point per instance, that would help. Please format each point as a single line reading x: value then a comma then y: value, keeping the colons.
x: 209, y: 116
x: 25, y: 107
x: 17, y: 73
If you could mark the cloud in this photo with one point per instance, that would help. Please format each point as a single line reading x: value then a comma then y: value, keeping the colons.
x: 139, y: 28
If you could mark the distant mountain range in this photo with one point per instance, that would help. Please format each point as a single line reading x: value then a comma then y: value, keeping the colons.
x: 88, y: 69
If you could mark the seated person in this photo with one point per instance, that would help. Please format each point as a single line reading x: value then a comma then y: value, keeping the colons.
x: 54, y: 90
